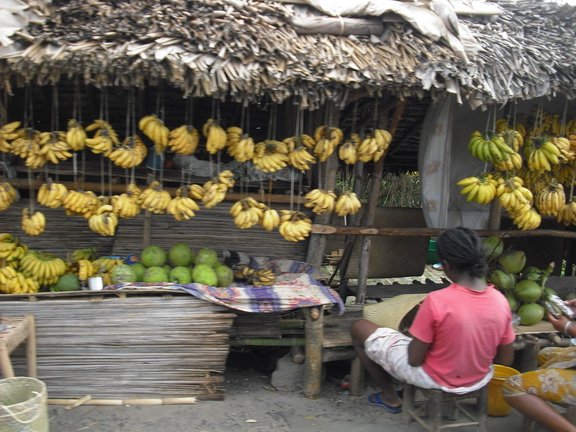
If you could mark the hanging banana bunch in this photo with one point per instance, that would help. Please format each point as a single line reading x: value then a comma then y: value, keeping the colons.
x: 183, y: 140
x: 104, y: 139
x: 347, y: 204
x: 301, y: 159
x: 196, y: 192
x: 76, y: 135
x: 526, y: 218
x: 52, y: 194
x: 327, y: 139
x: 493, y: 150
x: 551, y: 200
x: 348, y: 152
x: 81, y: 203
x: 513, y: 195
x: 154, y: 198
x: 294, y: 225
x: 541, y: 154
x: 126, y: 205
x: 155, y: 129
x: 270, y: 219
x: 8, y: 195
x: 239, y: 145
x: 481, y: 189
x: 247, y: 212
x: 215, y: 135
x: 33, y: 224
x: 214, y: 191
x: 104, y: 221
x: 27, y: 146
x: 270, y: 156
x: 130, y: 154
x: 8, y: 132
x: 320, y: 201
x: 54, y: 147
x: 85, y: 269
x: 182, y: 207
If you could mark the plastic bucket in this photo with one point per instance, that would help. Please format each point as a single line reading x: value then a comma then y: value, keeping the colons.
x: 431, y: 253
x: 497, y: 405
x: 23, y: 406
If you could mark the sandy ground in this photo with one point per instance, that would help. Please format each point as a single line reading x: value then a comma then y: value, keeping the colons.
x: 252, y: 405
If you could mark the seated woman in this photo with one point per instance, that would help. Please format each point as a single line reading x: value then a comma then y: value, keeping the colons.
x: 457, y: 333
x: 554, y: 381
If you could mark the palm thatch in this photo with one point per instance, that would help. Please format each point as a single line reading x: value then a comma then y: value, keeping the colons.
x: 248, y: 49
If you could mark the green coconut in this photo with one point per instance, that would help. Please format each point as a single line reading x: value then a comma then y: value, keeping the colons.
x: 155, y: 274
x: 180, y: 255
x: 527, y: 291
x: 153, y: 256
x: 504, y: 281
x: 181, y: 275
x: 204, y: 274
x: 512, y: 261
x: 207, y: 256
x: 123, y: 273
x: 531, y: 313
x: 139, y: 270
x: 512, y: 302
x: 225, y: 275
x: 493, y: 247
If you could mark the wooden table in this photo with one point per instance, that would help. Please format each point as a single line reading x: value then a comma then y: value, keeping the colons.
x: 16, y: 330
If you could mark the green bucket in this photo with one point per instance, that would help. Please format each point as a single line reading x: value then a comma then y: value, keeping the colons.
x: 23, y: 405
x: 432, y: 255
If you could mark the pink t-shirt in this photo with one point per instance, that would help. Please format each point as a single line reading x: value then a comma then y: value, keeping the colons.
x: 465, y: 328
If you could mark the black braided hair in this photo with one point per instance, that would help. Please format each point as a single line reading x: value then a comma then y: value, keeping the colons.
x: 462, y: 248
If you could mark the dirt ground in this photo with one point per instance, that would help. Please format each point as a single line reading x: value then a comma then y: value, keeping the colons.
x: 252, y: 405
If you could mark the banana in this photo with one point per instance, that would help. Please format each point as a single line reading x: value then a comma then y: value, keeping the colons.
x: 320, y: 201
x: 8, y: 195
x: 184, y: 140
x: 33, y: 224
x: 270, y: 219
x: 154, y: 128
x: 347, y: 204
x: 215, y: 135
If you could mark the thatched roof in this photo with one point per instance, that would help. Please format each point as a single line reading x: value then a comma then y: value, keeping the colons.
x: 250, y: 49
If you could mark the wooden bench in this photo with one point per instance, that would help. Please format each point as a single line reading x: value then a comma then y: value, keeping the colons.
x: 17, y: 331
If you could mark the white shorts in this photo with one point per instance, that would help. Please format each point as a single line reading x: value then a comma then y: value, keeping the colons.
x: 389, y: 349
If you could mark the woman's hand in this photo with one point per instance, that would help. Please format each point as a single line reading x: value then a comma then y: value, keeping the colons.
x: 558, y: 321
x: 572, y: 304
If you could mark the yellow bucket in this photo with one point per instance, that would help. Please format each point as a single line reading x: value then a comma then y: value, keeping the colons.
x: 497, y: 405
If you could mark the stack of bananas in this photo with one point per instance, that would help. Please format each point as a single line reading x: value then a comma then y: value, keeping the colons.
x: 247, y: 212
x: 215, y: 135
x: 11, y: 250
x: 542, y: 158
x: 512, y: 194
x: 8, y: 133
x: 294, y: 225
x: 551, y: 199
x: 130, y: 154
x: 494, y: 150
x: 214, y: 191
x: 348, y: 152
x: 374, y: 146
x: 13, y: 282
x: 85, y: 269
x: 104, y: 221
x: 43, y: 267
x: 567, y: 152
x: 513, y: 163
x: 513, y: 138
x: 82, y: 203
x: 154, y: 198
x: 155, y: 129
x: 76, y: 135
x: 127, y: 205
x: 270, y: 156
x: 54, y: 146
x: 270, y: 219
x: 83, y: 254
x: 327, y: 139
x: 34, y: 224
x: 239, y: 145
x: 480, y: 189
x: 347, y: 204
x: 182, y: 207
x: 104, y: 139
x: 320, y: 201
x: 526, y: 218
x: 8, y: 194
x: 243, y: 273
x: 52, y: 194
x: 300, y: 158
x: 261, y: 277
x: 183, y: 140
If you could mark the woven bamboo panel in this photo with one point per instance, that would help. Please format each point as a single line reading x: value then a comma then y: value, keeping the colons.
x: 132, y: 346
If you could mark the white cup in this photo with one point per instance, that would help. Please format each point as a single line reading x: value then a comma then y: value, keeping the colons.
x: 95, y: 283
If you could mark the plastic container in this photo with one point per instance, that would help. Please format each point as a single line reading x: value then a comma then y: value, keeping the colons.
x: 23, y: 406
x: 432, y: 255
x: 497, y: 405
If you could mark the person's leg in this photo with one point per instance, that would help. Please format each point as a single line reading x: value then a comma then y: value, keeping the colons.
x: 361, y: 330
x: 528, y: 393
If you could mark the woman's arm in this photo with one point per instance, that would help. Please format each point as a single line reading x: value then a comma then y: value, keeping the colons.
x: 417, y: 352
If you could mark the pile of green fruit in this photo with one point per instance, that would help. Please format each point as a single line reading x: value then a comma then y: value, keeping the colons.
x: 524, y: 286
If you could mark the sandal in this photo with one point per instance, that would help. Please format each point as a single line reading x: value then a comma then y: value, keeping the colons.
x: 375, y: 399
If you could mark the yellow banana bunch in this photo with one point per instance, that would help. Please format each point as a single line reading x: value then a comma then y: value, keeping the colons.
x: 366, y: 151
x: 262, y: 277
x: 52, y: 194
x: 13, y: 282
x: 45, y: 268
x: 8, y: 194
x: 155, y: 129
x: 226, y: 178
x: 216, y: 137
x: 196, y: 192
x: 307, y: 141
x: 130, y: 154
x: 348, y: 152
x: 83, y: 254
x: 183, y: 140
x: 34, y: 224
x: 493, y: 150
x: 105, y: 265
x: 383, y: 140
x: 76, y: 135
x: 543, y: 157
x: 26, y: 144
x: 126, y: 205
x: 270, y: 156
x: 101, y: 144
x: 512, y: 194
x: 270, y: 219
x: 8, y: 132
x: 320, y: 201
x: 513, y: 163
x: 567, y: 214
x: 239, y: 145
x: 563, y: 172
x: 182, y: 207
x: 478, y: 189
x: 243, y: 273
x: 551, y: 200
x: 104, y: 221
x: 247, y: 212
x: 81, y: 203
x: 347, y: 204
x: 327, y: 139
x: 567, y: 153
x: 85, y: 269
x: 526, y: 218
x: 300, y: 158
x: 154, y: 198
x: 294, y: 225
x: 513, y: 139
x: 54, y: 147
x: 11, y: 249
x: 214, y: 193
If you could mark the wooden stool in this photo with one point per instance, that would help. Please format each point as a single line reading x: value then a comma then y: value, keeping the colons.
x: 434, y: 399
x: 529, y: 425
x: 18, y: 330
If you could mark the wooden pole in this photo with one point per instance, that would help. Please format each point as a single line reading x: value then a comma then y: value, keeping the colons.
x: 495, y: 215
x: 31, y: 346
x: 314, y: 333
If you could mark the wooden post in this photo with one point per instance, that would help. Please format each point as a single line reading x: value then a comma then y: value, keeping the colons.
x: 371, y: 211
x: 495, y: 215
x: 357, y: 377
x: 147, y: 232
x: 314, y: 333
x: 31, y: 347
